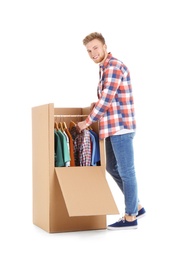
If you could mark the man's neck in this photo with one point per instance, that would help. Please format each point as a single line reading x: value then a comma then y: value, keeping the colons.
x: 101, y: 63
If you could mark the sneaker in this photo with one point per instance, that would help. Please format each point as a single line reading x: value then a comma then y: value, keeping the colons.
x: 141, y: 213
x: 123, y: 224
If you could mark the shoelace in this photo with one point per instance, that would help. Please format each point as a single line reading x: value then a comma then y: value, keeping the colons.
x: 121, y: 219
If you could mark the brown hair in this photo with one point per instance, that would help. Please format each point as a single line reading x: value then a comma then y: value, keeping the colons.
x: 92, y: 36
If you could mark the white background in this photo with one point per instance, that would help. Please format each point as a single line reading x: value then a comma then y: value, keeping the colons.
x: 43, y: 60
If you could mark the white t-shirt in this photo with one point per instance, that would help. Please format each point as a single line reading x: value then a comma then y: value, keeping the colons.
x: 124, y: 131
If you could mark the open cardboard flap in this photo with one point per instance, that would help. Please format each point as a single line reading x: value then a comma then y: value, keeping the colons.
x: 86, y: 191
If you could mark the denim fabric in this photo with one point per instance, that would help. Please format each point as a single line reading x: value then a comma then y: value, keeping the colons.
x: 120, y: 165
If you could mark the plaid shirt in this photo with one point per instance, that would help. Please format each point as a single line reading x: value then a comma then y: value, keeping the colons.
x: 82, y: 147
x: 115, y: 106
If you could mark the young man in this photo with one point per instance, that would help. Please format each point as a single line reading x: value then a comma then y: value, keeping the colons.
x: 115, y: 112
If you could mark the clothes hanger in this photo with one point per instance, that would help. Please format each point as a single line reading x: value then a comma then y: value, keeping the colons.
x: 56, y: 125
x: 72, y: 124
x: 60, y: 125
x: 64, y: 125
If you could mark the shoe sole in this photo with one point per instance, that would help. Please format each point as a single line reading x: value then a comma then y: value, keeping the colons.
x: 141, y: 216
x: 122, y: 228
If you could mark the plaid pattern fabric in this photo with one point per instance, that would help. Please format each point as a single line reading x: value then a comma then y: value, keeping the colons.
x: 115, y: 106
x: 82, y: 147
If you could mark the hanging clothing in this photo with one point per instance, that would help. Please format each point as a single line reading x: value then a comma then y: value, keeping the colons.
x: 93, y: 148
x: 96, y: 155
x: 71, y: 147
x: 75, y: 149
x: 82, y: 147
x: 67, y: 164
x: 58, y: 151
x: 64, y: 147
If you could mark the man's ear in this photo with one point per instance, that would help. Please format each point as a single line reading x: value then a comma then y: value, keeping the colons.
x: 105, y: 47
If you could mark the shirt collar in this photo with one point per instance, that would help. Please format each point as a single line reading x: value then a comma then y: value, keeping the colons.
x: 109, y: 56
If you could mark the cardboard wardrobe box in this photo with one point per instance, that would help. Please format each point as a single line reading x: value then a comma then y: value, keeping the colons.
x: 66, y: 198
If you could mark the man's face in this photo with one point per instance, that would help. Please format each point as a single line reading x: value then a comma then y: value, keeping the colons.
x: 96, y: 50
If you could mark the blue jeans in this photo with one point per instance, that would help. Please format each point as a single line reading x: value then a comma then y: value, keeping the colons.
x: 120, y: 165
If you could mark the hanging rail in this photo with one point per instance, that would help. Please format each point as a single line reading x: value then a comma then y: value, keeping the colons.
x: 70, y: 115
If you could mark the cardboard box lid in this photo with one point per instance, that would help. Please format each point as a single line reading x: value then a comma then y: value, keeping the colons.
x: 86, y: 191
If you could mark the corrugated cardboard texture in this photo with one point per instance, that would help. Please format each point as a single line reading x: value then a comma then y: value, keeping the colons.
x: 55, y: 208
x: 41, y: 164
x: 86, y: 191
